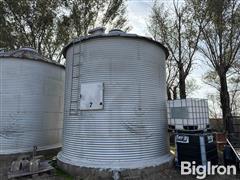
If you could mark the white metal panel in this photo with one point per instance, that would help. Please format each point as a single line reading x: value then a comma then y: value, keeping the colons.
x: 131, y: 130
x: 31, y: 105
x: 182, y: 139
x: 91, y: 96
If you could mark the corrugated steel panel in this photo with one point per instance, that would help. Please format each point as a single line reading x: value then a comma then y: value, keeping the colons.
x: 31, y: 105
x: 131, y: 130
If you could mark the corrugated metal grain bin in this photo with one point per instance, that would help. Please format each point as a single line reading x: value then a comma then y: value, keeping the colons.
x: 31, y: 102
x: 115, y: 102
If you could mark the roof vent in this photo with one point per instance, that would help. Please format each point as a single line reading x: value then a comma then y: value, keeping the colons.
x: 116, y: 31
x: 96, y: 31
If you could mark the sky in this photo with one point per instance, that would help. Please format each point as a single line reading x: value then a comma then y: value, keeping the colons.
x: 138, y: 15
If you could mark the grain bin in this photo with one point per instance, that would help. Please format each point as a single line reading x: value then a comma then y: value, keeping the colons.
x: 31, y: 102
x: 115, y: 114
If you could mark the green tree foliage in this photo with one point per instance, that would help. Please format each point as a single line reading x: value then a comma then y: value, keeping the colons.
x: 87, y: 14
x: 47, y: 25
x: 29, y: 23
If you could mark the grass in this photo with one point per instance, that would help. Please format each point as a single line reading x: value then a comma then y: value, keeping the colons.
x: 60, y: 172
x: 173, y: 149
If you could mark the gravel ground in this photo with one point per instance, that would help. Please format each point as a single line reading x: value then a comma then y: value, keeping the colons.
x: 171, y: 174
x: 174, y: 174
x: 167, y: 174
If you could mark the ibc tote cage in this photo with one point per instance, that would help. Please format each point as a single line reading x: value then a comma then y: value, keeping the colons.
x: 188, y: 122
x: 188, y: 115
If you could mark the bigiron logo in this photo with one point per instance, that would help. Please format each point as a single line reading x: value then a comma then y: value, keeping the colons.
x: 202, y: 171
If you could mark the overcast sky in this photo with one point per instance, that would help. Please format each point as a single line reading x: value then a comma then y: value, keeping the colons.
x: 138, y: 14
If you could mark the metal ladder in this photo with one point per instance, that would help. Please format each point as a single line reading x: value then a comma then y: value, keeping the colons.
x: 75, y: 89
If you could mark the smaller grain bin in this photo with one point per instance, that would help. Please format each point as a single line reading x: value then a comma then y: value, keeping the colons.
x: 31, y: 102
x: 115, y: 115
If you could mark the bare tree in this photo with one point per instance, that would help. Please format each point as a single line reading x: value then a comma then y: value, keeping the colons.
x: 235, y: 97
x: 191, y: 86
x: 211, y: 78
x: 171, y: 67
x: 234, y: 92
x: 179, y: 34
x: 214, y: 106
x: 220, y: 41
x: 171, y: 80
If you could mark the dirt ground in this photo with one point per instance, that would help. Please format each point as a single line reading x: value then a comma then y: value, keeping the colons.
x: 169, y: 174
